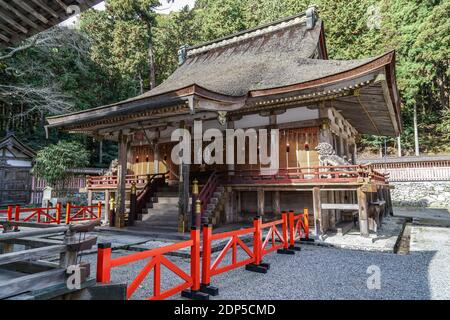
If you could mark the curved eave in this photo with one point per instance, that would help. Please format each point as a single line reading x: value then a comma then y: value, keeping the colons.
x: 135, y: 108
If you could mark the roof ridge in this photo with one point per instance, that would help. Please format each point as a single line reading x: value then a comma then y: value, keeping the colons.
x: 248, y: 34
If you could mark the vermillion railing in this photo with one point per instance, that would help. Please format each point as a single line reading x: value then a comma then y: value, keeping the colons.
x: 155, y: 259
x: 39, y: 215
x: 105, y: 182
x: 319, y: 174
x: 83, y: 213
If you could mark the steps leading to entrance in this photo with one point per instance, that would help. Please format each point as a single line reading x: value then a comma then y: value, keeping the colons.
x: 161, y: 212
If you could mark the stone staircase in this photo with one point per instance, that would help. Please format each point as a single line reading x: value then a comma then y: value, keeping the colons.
x: 161, y: 213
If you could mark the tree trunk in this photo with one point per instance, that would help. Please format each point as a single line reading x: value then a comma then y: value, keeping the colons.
x: 151, y: 63
x: 416, y: 132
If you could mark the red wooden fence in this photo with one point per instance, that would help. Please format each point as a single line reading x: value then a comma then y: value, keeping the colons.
x: 155, y: 259
x: 52, y: 214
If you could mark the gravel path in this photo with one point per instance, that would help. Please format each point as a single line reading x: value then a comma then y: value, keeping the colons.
x: 322, y: 273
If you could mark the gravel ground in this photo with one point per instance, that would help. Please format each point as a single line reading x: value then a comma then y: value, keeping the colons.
x: 321, y: 273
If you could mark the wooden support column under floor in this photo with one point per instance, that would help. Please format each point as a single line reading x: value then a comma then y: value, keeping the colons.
x: 107, y: 207
x: 318, y: 228
x: 363, y: 213
x: 260, y: 202
x: 119, y: 220
x: 276, y: 205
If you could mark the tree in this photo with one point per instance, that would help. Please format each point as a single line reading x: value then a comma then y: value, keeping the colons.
x: 54, y: 161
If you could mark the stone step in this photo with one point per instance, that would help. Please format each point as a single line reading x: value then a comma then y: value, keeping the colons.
x: 164, y: 206
x: 172, y: 194
x: 172, y: 200
x: 160, y: 212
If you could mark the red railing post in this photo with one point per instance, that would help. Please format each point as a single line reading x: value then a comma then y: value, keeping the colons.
x: 17, y: 213
x: 9, y: 213
x: 104, y: 263
x: 205, y: 286
x: 195, y: 258
x: 306, y: 223
x: 58, y: 213
x: 68, y: 208
x: 257, y: 240
x: 285, y: 231
x: 291, y: 229
x: 206, y: 258
x: 99, y: 210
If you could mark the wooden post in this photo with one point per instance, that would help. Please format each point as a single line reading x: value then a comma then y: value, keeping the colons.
x: 68, y: 209
x: 107, y: 207
x: 133, y: 200
x: 89, y: 199
x: 196, y: 213
x: 260, y: 202
x: 363, y: 213
x: 58, y: 213
x: 276, y: 206
x: 318, y: 229
x: 121, y: 183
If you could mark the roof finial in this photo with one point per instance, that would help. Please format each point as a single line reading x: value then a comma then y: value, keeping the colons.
x: 311, y: 16
x: 182, y: 54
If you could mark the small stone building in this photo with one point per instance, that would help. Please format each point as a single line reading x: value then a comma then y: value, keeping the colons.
x: 15, y: 171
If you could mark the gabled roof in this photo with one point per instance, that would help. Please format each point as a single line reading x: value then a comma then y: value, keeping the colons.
x: 21, y: 19
x: 13, y: 145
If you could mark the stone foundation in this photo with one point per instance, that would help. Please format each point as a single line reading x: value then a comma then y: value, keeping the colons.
x: 430, y: 194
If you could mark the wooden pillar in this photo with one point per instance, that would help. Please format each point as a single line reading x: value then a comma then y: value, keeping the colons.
x: 276, y: 205
x: 100, y: 151
x: 232, y: 167
x: 363, y: 213
x: 107, y: 207
x: 260, y: 202
x: 238, y: 207
x: 121, y: 183
x: 317, y: 212
x: 89, y: 199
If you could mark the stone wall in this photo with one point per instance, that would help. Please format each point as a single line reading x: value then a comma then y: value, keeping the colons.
x: 432, y: 194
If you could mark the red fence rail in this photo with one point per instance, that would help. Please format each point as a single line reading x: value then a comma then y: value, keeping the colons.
x: 50, y: 215
x: 298, y: 227
x: 39, y: 215
x: 192, y: 280
x: 83, y: 213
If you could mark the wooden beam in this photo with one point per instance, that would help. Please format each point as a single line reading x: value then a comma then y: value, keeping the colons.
x: 62, y: 5
x: 31, y: 282
x: 31, y: 254
x: 261, y: 201
x: 46, y: 8
x: 17, y: 13
x: 32, y: 233
x: 340, y: 206
x: 32, y: 11
x: 4, y: 38
x: 11, y: 21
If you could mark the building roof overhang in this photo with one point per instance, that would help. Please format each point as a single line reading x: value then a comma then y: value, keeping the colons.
x: 20, y: 19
